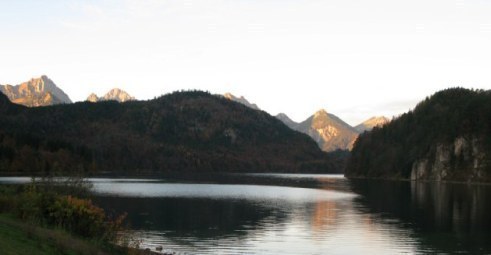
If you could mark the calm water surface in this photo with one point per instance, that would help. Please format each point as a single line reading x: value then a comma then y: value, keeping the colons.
x: 300, y: 214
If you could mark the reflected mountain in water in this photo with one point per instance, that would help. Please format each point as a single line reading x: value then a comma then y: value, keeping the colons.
x: 191, y: 217
x: 298, y: 214
x: 266, y: 219
x: 448, y: 217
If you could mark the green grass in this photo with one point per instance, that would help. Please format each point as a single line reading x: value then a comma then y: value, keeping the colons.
x: 17, y: 237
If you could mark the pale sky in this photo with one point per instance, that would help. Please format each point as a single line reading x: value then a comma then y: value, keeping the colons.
x: 354, y: 58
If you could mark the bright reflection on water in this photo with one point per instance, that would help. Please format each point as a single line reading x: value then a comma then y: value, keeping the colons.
x: 236, y: 219
x: 299, y: 214
x: 219, y: 191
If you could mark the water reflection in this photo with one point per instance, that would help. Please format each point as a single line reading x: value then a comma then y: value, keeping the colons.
x: 290, y: 214
x: 444, y: 216
x: 455, y: 207
x: 237, y: 219
x: 197, y: 217
x: 324, y: 215
x: 217, y: 191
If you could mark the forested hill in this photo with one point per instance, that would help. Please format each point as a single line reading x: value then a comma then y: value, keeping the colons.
x: 446, y: 137
x: 182, y: 131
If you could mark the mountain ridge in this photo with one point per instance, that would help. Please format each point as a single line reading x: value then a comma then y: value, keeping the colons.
x: 285, y: 119
x: 241, y: 100
x: 183, y: 131
x: 329, y: 131
x: 370, y: 123
x: 42, y: 92
x: 115, y: 94
x: 36, y: 92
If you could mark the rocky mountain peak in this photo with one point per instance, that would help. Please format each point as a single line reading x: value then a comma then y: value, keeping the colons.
x: 369, y: 124
x: 115, y: 94
x: 330, y: 132
x: 118, y: 95
x: 321, y: 119
x: 321, y: 112
x: 40, y: 91
x: 93, y: 98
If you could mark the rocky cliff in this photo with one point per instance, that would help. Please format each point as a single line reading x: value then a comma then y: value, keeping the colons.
x: 465, y: 158
x: 328, y: 131
x: 37, y: 92
x: 369, y: 124
x: 115, y: 94
x: 447, y: 137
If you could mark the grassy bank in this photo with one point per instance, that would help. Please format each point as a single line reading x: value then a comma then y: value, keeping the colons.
x: 17, y: 237
x: 49, y: 217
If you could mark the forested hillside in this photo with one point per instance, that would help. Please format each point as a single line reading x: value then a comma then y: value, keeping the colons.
x: 446, y: 137
x: 182, y: 131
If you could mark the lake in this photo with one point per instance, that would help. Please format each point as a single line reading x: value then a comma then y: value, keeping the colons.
x: 298, y: 214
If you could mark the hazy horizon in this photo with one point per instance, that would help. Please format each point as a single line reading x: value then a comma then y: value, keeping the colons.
x: 356, y: 59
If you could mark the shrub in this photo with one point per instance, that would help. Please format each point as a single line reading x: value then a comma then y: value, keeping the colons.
x: 43, y: 205
x: 83, y: 218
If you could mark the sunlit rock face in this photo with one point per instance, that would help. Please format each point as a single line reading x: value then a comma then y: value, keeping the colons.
x: 369, y: 124
x: 327, y: 130
x: 113, y: 95
x: 330, y: 132
x: 36, y: 92
x: 93, y: 98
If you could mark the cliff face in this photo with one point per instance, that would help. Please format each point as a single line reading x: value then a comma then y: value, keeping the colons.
x: 464, y: 159
x: 37, y: 92
x: 447, y: 137
x: 328, y: 131
x: 115, y: 94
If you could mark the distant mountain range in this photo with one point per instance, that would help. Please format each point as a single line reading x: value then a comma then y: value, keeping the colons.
x: 328, y: 131
x: 43, y: 91
x: 37, y: 92
x: 179, y: 132
x: 114, y: 94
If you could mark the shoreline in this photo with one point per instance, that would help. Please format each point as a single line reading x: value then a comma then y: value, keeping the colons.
x: 43, y: 240
x: 417, y: 181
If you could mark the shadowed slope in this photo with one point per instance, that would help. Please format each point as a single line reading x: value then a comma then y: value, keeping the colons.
x: 186, y: 131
